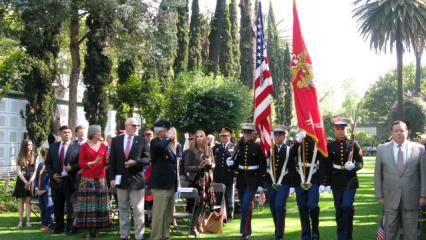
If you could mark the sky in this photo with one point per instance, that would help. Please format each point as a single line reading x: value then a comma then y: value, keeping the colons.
x: 337, y: 50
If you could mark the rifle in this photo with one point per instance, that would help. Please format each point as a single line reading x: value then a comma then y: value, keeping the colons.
x: 351, y: 153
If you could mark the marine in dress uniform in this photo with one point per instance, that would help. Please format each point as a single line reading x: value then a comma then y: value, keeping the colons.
x: 279, y: 179
x: 250, y: 164
x: 310, y: 166
x: 343, y: 178
x: 223, y: 174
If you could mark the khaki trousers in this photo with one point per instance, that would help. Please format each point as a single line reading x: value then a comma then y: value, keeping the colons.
x: 137, y: 199
x: 162, y: 213
x: 401, y: 218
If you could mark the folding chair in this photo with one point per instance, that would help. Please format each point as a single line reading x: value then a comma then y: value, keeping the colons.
x: 35, y: 206
x: 183, y: 195
x: 219, y: 191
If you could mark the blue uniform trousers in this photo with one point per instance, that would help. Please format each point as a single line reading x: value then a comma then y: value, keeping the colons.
x: 277, y: 203
x: 246, y: 200
x: 343, y: 203
x: 307, y: 202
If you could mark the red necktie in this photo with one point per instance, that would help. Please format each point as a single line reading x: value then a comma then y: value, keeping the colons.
x: 62, y: 157
x: 128, y: 146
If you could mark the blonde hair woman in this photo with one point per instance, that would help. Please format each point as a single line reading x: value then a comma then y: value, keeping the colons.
x: 199, y: 163
x: 25, y: 166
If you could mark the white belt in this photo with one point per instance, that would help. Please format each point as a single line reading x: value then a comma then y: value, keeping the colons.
x: 309, y: 164
x: 340, y: 167
x: 254, y: 167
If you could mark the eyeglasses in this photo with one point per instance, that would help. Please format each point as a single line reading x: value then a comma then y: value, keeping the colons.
x: 134, y: 125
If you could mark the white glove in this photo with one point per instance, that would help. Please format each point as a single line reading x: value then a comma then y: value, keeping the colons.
x: 349, y: 166
x: 321, y: 188
x: 300, y: 136
x: 229, y: 162
x: 291, y: 191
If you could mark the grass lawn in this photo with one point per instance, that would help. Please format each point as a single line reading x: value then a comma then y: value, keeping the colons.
x: 365, y: 225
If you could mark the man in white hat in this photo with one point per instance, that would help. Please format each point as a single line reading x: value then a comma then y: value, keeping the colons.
x: 249, y: 161
x: 345, y: 159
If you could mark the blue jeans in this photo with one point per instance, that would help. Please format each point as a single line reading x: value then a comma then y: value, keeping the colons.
x: 246, y: 199
x: 307, y: 202
x: 277, y: 203
x: 46, y: 212
x: 343, y: 203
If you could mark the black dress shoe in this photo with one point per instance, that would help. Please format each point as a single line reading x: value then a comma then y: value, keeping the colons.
x: 58, y: 231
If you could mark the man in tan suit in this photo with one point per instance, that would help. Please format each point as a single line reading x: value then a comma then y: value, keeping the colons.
x: 400, y: 182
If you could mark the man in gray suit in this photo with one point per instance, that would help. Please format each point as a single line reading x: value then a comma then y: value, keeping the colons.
x: 400, y: 182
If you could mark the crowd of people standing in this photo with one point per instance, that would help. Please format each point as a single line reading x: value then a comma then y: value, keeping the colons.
x: 78, y: 178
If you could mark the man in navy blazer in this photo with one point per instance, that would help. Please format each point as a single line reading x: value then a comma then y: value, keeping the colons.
x: 129, y: 154
x: 62, y: 167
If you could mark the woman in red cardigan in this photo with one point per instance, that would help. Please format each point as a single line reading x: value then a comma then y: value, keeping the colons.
x: 93, y: 209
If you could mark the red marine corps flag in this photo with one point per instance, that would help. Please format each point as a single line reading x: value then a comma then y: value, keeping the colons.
x: 305, y: 94
x: 263, y: 88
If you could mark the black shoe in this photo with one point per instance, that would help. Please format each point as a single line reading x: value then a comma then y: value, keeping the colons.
x: 58, y: 231
x: 229, y: 220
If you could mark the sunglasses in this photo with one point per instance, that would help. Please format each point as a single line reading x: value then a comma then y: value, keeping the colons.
x: 339, y: 127
x: 148, y: 134
x: 134, y: 125
x: 191, y: 138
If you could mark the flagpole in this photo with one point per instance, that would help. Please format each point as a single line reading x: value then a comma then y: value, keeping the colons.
x: 273, y: 160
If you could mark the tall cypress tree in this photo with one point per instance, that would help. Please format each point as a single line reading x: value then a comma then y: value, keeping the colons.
x: 40, y: 38
x: 218, y: 26
x: 247, y: 43
x: 166, y: 37
x: 181, y: 61
x: 288, y: 93
x: 226, y: 60
x: 275, y: 56
x: 235, y: 38
x: 194, y: 49
x: 97, y: 71
x: 125, y: 69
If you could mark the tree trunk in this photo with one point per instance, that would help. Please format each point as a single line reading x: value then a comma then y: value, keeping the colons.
x: 418, y: 53
x: 247, y: 43
x: 399, y: 55
x: 75, y: 65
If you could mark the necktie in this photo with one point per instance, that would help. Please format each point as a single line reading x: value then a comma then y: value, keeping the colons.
x: 128, y: 146
x: 62, y: 157
x: 400, y: 160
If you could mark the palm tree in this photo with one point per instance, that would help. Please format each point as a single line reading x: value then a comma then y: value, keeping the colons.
x: 392, y: 22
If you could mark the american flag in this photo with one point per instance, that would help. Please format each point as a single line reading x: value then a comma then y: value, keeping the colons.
x: 381, y: 229
x: 263, y: 88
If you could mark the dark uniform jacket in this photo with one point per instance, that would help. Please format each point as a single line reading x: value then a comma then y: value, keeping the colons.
x: 338, y: 153
x: 306, y: 153
x: 132, y: 177
x: 249, y: 154
x: 279, y: 160
x: 222, y: 174
x: 164, y: 165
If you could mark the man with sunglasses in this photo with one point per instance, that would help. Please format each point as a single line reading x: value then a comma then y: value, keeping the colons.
x: 222, y: 174
x: 128, y: 157
x: 345, y: 159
